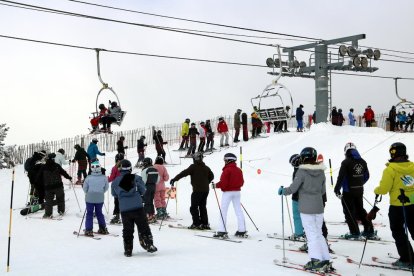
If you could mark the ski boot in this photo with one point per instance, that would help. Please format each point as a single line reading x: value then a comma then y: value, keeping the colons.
x: 146, y: 242
x: 115, y: 219
x: 88, y: 233
x: 220, y: 235
x: 128, y: 246
x: 160, y: 214
x: 79, y: 181
x: 304, y: 247
x: 370, y: 235
x: 205, y: 227
x: 103, y: 230
x: 151, y: 218
x: 240, y: 234
x: 295, y: 237
x: 47, y: 216
x: 315, y: 265
x: 350, y: 236
x: 194, y: 226
x: 404, y: 265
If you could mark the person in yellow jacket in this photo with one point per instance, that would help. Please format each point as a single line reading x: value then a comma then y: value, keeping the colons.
x: 184, y: 134
x: 398, y: 180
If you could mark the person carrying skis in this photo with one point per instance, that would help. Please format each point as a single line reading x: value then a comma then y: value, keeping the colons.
x: 299, y: 118
x: 231, y: 181
x: 114, y: 174
x: 209, y: 136
x: 398, y: 181
x: 298, y: 234
x: 159, y: 197
x: 120, y: 148
x: 83, y: 159
x: 95, y: 186
x: 310, y: 182
x: 351, y: 117
x: 129, y: 189
x: 184, y: 134
x: 159, y: 143
x: 202, y: 130
x: 150, y: 177
x: 352, y: 176
x: 192, y: 133
x: 50, y: 175
x: 223, y: 130
x: 201, y: 175
x: 237, y: 125
x: 141, y: 146
x: 93, y: 151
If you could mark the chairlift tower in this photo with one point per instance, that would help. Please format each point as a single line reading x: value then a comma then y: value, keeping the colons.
x: 322, y: 62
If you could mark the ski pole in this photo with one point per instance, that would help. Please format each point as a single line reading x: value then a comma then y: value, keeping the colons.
x: 218, y: 204
x: 290, y: 218
x: 283, y: 231
x: 241, y: 162
x: 349, y: 212
x: 168, y: 199
x: 330, y: 171
x: 10, y: 220
x: 83, y: 217
x: 176, y: 198
x: 250, y: 217
x: 73, y: 188
x: 404, y: 199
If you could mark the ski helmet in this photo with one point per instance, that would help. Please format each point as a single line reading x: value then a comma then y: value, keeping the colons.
x: 95, y: 140
x: 62, y: 151
x: 77, y: 146
x: 308, y: 154
x: 398, y: 150
x: 119, y: 157
x: 101, y: 106
x: 230, y: 157
x: 159, y: 160
x: 142, y: 137
x: 187, y: 120
x: 147, y: 162
x: 126, y: 165
x: 294, y: 160
x: 202, y: 124
x: 113, y: 104
x: 159, y: 132
x: 192, y: 124
x: 349, y: 146
x: 198, y: 156
x: 122, y: 138
x: 96, y: 167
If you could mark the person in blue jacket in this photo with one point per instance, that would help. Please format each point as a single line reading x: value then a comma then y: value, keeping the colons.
x: 129, y: 189
x: 93, y: 150
x: 299, y: 118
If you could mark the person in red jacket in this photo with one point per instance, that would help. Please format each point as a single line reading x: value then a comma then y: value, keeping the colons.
x: 230, y: 183
x: 369, y: 116
x: 223, y: 130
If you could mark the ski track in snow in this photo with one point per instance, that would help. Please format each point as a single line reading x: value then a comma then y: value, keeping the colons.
x: 48, y: 247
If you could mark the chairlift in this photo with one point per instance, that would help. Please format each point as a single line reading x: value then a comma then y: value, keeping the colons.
x: 270, y: 104
x: 105, y: 86
x: 403, y: 104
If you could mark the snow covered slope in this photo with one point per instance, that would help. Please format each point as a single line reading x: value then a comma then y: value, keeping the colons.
x: 48, y: 247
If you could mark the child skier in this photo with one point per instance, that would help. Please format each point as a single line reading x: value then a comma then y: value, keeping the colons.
x: 95, y: 186
x: 129, y: 189
x: 231, y: 181
x: 150, y: 177
x: 114, y: 174
x: 159, y: 197
x: 310, y: 183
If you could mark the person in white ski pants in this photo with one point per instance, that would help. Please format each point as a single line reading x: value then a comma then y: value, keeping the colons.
x: 226, y: 199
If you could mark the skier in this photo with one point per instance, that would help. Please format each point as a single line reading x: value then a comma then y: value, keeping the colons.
x: 95, y: 187
x: 352, y: 176
x: 341, y: 118
x: 392, y: 116
x: 334, y: 116
x: 210, y: 136
x: 83, y: 159
x: 141, y: 146
x: 255, y: 124
x: 244, y: 127
x: 299, y: 118
x: 159, y: 143
x: 369, y: 116
x: 50, y: 175
x: 129, y: 189
x: 192, y: 134
x: 184, y: 134
x: 237, y: 124
x: 310, y: 183
x: 231, y: 181
x: 201, y: 175
x: 223, y: 130
x: 398, y: 180
x: 159, y: 197
x: 114, y: 114
x: 202, y: 130
x: 93, y: 151
x: 150, y: 177
x: 351, y: 117
x: 283, y: 124
x: 60, y: 157
x: 114, y: 174
x: 37, y: 195
x: 298, y: 234
x: 120, y: 145
x: 98, y: 118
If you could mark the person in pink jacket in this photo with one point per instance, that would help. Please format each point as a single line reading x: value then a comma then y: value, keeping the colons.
x: 159, y: 196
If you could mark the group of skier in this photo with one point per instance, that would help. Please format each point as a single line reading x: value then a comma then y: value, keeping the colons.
x: 400, y: 121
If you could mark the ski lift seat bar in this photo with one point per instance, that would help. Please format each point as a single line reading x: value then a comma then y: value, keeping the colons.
x: 272, y: 114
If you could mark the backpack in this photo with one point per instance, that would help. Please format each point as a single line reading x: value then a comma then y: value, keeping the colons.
x: 152, y: 176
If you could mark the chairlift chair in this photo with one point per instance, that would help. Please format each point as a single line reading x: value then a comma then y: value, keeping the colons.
x: 403, y: 104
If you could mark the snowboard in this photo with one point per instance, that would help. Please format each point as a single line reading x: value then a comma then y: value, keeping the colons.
x: 244, y: 127
x: 31, y: 209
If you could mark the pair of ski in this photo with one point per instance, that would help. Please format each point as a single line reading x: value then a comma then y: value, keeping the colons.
x: 376, y: 224
x: 291, y: 265
x: 378, y: 264
x: 95, y: 233
x: 278, y: 237
x: 331, y: 252
x: 180, y: 226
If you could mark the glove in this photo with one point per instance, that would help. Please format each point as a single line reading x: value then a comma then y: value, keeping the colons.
x: 103, y: 154
x: 372, y: 214
x: 126, y: 147
x: 213, y: 185
x: 73, y: 161
x: 376, y: 197
x: 338, y: 194
x: 70, y: 178
x: 280, y: 191
x: 172, y: 181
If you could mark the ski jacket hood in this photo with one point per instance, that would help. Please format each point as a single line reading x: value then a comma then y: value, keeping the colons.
x: 129, y: 189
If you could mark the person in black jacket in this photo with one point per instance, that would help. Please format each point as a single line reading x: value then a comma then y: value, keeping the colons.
x: 159, y: 143
x: 353, y: 174
x: 209, y: 136
x: 83, y: 160
x: 192, y: 134
x: 120, y: 145
x: 299, y: 118
x: 37, y: 194
x: 392, y: 116
x: 141, y: 145
x: 201, y: 176
x: 50, y: 175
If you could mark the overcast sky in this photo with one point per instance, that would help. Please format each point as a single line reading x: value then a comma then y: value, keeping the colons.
x: 48, y: 92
